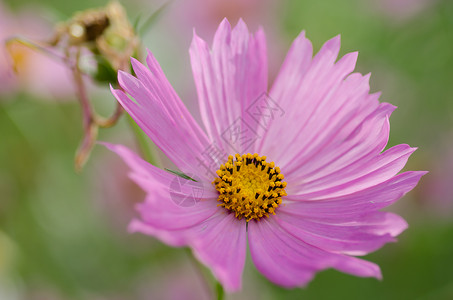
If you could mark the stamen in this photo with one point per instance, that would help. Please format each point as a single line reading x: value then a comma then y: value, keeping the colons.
x: 249, y: 186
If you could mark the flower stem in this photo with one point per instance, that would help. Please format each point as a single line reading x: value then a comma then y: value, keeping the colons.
x: 90, y: 128
x: 202, y: 273
x: 219, y: 291
x: 110, y: 121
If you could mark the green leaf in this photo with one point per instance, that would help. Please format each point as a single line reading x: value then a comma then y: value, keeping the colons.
x: 105, y: 72
x: 136, y: 22
x: 180, y: 174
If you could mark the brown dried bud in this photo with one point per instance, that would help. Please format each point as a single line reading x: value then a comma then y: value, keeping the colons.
x: 105, y: 31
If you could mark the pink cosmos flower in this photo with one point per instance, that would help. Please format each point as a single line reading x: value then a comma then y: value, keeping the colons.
x: 307, y: 199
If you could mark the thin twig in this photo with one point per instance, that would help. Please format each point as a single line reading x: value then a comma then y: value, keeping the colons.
x: 32, y: 45
x: 89, y: 125
x: 110, y: 121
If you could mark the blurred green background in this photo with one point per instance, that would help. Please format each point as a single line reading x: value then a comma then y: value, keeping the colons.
x: 64, y: 235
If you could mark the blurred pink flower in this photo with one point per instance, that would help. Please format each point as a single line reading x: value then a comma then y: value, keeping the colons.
x: 400, y: 10
x: 37, y: 73
x: 436, y: 193
x: 206, y: 15
x: 111, y: 187
x: 322, y: 213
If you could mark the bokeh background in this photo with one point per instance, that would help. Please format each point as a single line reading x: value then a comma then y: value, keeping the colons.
x: 64, y: 235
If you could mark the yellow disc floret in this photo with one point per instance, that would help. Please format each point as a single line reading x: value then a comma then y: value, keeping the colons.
x: 249, y: 186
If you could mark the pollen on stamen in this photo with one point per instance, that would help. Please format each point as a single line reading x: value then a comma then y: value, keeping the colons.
x: 249, y: 186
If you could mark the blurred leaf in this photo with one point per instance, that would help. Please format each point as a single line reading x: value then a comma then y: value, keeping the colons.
x: 152, y: 19
x: 105, y: 72
x: 136, y: 23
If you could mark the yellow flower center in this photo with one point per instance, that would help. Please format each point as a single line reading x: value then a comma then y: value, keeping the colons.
x: 249, y: 186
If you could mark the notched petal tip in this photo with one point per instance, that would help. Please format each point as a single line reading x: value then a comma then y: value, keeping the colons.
x: 127, y: 81
x: 121, y: 75
x: 149, y: 54
x: 135, y: 61
x: 301, y: 37
x: 334, y: 42
x: 391, y: 108
x: 199, y: 49
x: 241, y: 25
x: 330, y: 48
x: 301, y: 44
x: 347, y: 64
x: 355, y: 53
x: 410, y: 180
x: 196, y: 40
x: 422, y: 173
x: 136, y: 65
x: 367, y: 76
x: 224, y: 24
x: 222, y: 35
x: 386, y: 108
x: 351, y: 57
x: 120, y: 96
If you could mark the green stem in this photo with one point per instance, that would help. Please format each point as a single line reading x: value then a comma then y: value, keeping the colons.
x: 148, y: 152
x: 206, y: 277
x: 219, y: 290
x: 201, y: 271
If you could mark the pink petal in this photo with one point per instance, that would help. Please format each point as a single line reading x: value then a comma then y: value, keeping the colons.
x: 163, y: 214
x: 160, y: 113
x: 172, y: 238
x: 288, y: 261
x: 370, y: 199
x: 293, y: 70
x: 221, y: 245
x: 301, y: 86
x: 334, y: 123
x: 336, y: 126
x: 359, y: 172
x: 355, y: 235
x: 228, y: 79
x: 155, y: 81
